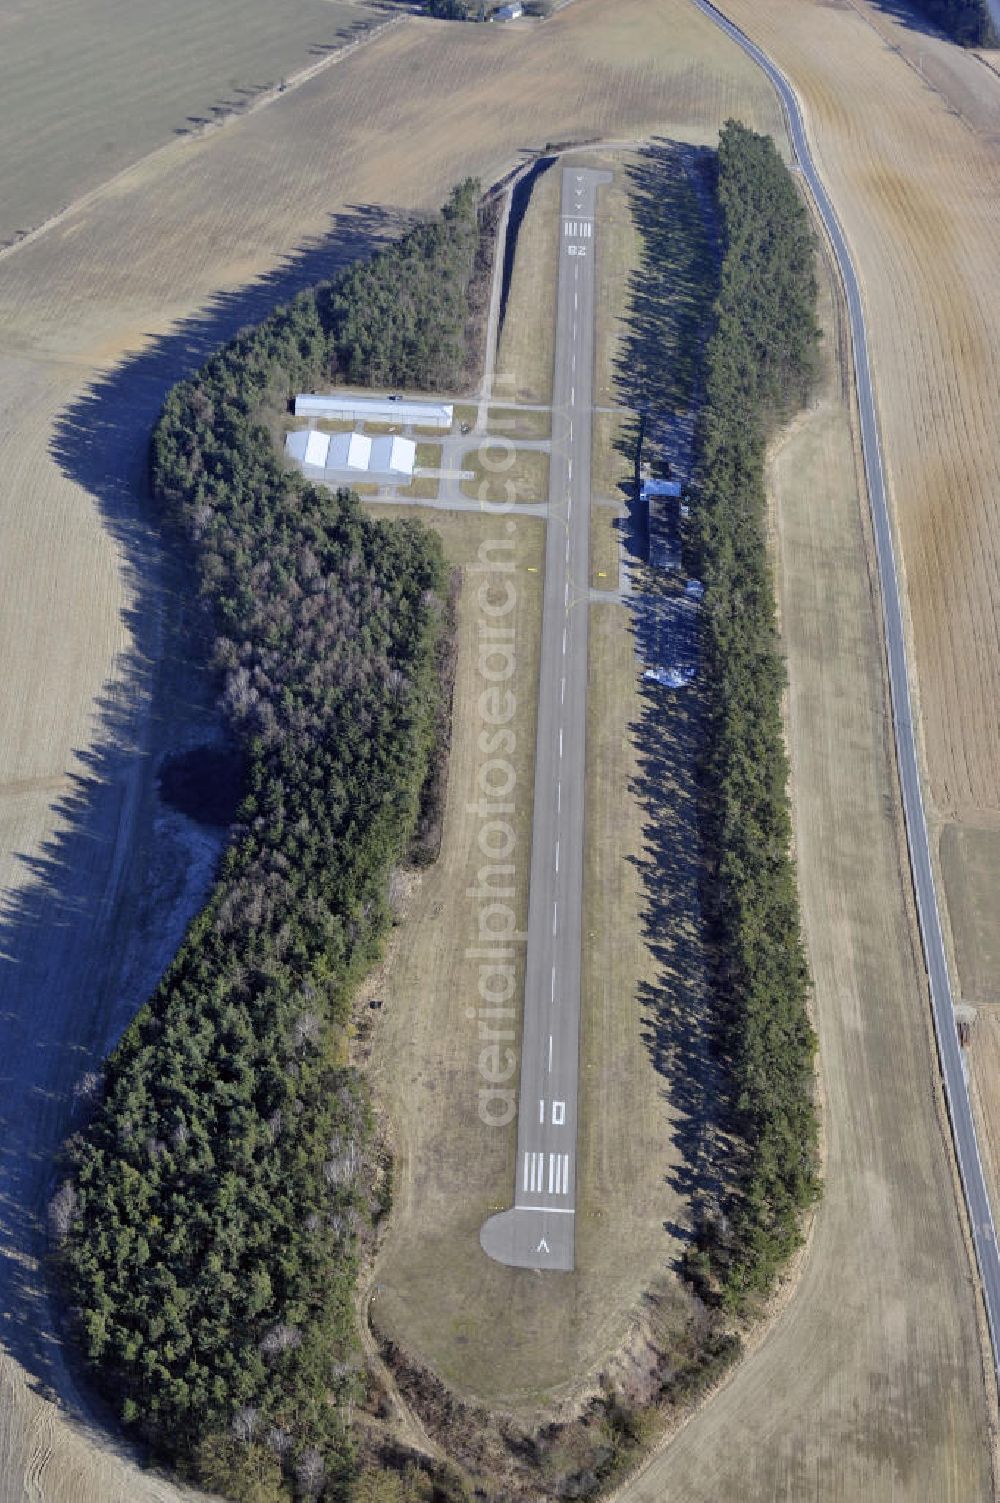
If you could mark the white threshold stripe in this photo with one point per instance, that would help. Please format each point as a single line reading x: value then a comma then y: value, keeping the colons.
x: 548, y: 1210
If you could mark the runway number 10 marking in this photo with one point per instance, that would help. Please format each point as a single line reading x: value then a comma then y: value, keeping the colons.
x: 558, y: 1113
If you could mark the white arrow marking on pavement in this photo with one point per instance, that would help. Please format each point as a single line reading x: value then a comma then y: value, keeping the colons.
x: 543, y: 1246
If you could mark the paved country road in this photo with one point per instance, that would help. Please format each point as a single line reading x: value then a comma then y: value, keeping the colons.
x: 538, y: 1231
x: 942, y: 1001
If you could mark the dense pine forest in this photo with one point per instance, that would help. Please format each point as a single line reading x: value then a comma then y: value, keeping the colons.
x: 967, y: 21
x: 760, y: 361
x: 209, y: 1217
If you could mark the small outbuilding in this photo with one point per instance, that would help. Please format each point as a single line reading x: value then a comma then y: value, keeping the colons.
x: 509, y: 12
x: 663, y: 509
x: 652, y: 489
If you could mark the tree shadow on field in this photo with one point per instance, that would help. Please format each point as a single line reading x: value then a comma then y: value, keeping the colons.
x: 659, y: 375
x: 909, y: 16
x: 678, y: 1007
x: 75, y: 965
x: 670, y: 292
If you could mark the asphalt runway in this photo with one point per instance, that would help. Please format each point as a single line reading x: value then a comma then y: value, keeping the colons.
x: 538, y: 1230
x: 942, y: 1001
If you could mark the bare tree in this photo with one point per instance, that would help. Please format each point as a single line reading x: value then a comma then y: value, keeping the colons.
x: 310, y: 1472
x: 280, y: 1338
x: 62, y: 1209
x: 245, y: 1422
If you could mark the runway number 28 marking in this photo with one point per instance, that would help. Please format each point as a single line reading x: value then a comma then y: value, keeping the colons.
x: 576, y: 250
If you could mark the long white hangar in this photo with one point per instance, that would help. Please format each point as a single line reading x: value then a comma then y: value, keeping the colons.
x: 348, y: 408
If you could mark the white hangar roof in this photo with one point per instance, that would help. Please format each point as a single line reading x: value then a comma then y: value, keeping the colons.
x: 388, y: 456
x: 359, y: 409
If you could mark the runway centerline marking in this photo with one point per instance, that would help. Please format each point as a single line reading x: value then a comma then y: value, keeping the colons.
x: 556, y: 887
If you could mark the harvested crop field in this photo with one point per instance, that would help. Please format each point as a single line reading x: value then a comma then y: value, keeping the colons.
x: 183, y: 249
x: 89, y: 86
x: 983, y: 1055
x: 970, y: 862
x: 869, y: 1383
x: 906, y: 130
